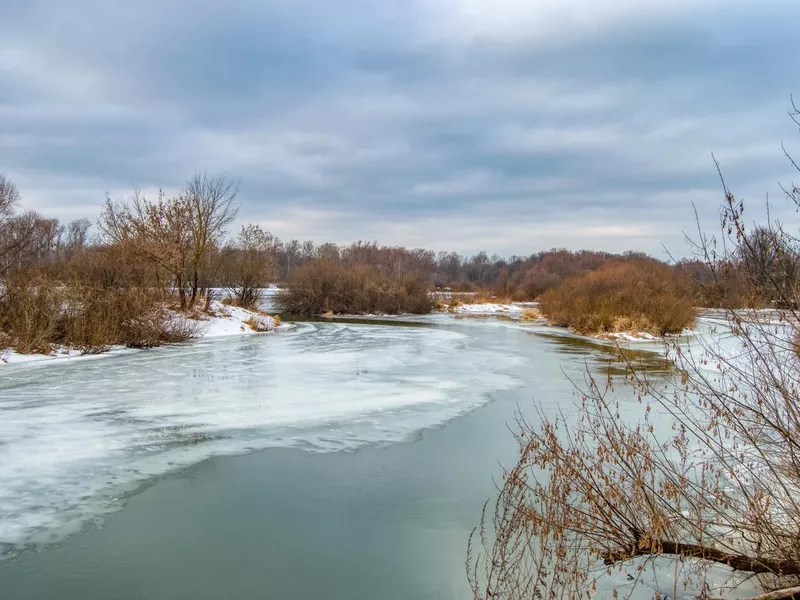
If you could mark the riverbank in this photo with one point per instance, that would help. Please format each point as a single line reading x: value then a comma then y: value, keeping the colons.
x: 221, y: 320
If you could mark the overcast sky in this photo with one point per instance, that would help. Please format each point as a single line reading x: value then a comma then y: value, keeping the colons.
x: 506, y: 125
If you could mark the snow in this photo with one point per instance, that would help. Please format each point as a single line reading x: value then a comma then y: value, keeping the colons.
x: 489, y: 308
x: 232, y: 320
x: 636, y: 336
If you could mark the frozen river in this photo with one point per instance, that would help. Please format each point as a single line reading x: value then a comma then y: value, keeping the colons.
x: 226, y: 468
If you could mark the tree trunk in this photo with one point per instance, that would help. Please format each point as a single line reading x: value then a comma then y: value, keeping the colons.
x: 195, y: 286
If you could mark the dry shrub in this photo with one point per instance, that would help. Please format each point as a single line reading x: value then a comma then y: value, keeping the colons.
x: 5, y: 342
x: 326, y: 286
x: 29, y: 312
x: 628, y: 296
x: 41, y: 313
x: 103, y: 300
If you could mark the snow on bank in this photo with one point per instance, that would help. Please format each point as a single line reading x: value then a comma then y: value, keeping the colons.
x: 222, y: 321
x: 60, y: 354
x: 226, y: 320
x: 515, y: 309
x: 487, y: 308
x: 629, y: 336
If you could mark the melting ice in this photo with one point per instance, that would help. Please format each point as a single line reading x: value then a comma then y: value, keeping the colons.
x: 76, y: 438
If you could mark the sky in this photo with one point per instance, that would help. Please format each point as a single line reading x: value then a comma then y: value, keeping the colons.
x: 510, y: 126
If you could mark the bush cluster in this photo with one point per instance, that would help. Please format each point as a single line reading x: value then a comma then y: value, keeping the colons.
x: 644, y: 295
x: 99, y: 303
x: 326, y: 286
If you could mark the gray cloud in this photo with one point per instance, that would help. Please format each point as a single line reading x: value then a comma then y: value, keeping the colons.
x: 511, y: 126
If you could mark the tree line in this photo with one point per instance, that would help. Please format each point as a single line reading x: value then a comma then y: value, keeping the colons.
x: 96, y: 284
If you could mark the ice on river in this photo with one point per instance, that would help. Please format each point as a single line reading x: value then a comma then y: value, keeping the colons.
x: 75, y: 438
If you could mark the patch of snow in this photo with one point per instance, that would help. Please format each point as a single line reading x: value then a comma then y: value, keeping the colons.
x: 59, y: 354
x: 637, y: 336
x: 232, y: 320
x: 489, y: 308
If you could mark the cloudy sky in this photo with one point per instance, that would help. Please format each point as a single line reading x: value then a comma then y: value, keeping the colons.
x: 506, y: 125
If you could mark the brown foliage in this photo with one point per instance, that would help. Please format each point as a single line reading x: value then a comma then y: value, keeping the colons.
x: 327, y: 286
x: 634, y: 295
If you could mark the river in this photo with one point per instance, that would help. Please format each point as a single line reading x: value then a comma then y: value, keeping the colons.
x: 329, y: 460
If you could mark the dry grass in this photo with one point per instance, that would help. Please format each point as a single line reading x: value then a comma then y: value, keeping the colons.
x: 531, y: 314
x: 635, y: 296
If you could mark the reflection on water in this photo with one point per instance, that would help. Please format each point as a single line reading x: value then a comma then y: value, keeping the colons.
x: 608, y: 358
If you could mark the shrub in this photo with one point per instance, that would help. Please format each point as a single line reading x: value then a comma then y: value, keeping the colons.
x: 38, y: 312
x: 248, y: 265
x: 29, y: 313
x: 636, y: 295
x: 325, y: 286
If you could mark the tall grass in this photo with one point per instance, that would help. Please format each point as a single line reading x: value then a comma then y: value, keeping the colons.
x: 644, y: 295
x: 325, y: 286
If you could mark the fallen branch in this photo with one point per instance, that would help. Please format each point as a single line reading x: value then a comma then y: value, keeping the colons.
x: 737, y: 562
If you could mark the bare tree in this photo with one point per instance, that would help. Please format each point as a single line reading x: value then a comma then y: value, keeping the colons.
x: 77, y: 235
x: 708, y: 475
x: 291, y: 251
x: 24, y: 237
x: 250, y: 265
x: 159, y: 230
x: 210, y: 205
x: 769, y: 261
x: 9, y: 197
x: 178, y: 234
